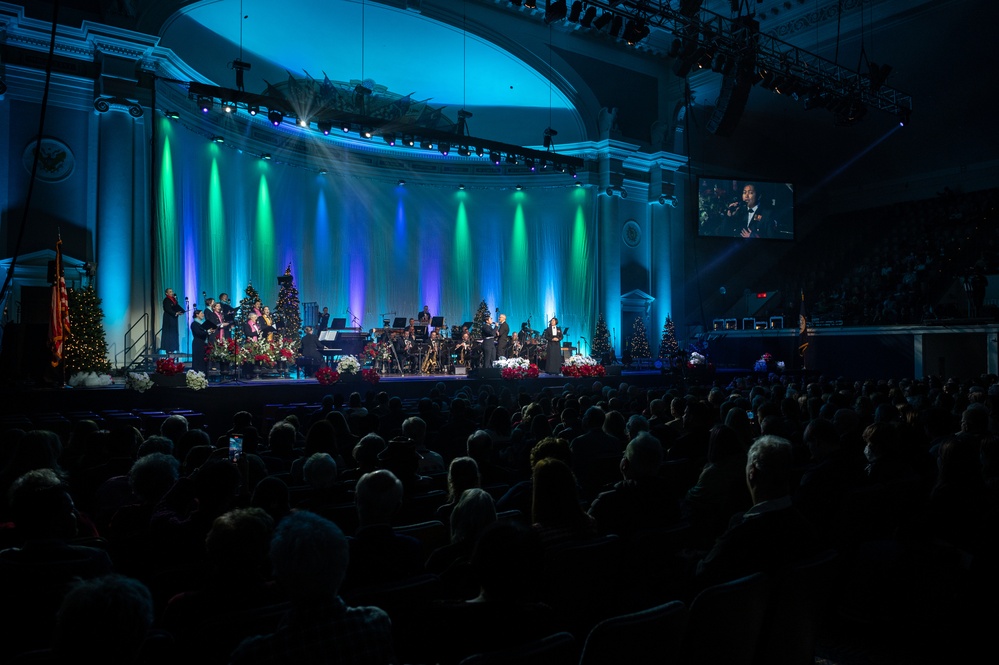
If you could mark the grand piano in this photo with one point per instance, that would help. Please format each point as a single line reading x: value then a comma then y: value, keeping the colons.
x: 349, y: 342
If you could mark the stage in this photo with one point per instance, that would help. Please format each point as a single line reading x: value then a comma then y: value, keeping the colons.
x: 214, y: 406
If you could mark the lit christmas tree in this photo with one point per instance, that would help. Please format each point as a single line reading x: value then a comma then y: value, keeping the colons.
x: 244, y: 310
x: 479, y: 319
x: 668, y: 346
x: 87, y: 347
x: 639, y: 341
x: 288, y: 309
x: 601, y: 339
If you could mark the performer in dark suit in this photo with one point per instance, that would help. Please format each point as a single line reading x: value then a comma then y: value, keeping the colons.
x: 324, y: 320
x: 488, y: 342
x: 752, y: 218
x: 502, y: 336
x: 170, y: 336
x: 424, y: 316
x: 553, y: 363
x: 200, y: 334
x: 312, y: 355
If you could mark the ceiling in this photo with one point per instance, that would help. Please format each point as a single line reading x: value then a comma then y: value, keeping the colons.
x: 940, y: 50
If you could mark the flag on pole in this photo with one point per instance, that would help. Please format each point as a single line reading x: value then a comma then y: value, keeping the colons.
x: 802, y: 332
x: 59, y: 316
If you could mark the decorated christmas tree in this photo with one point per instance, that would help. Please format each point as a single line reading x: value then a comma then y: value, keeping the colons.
x: 288, y: 309
x: 87, y: 347
x: 479, y: 319
x: 601, y: 339
x: 668, y: 346
x: 244, y: 309
x: 639, y: 341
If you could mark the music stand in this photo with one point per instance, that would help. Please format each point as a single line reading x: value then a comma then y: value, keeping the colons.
x: 338, y: 324
x: 399, y: 322
x: 437, y: 322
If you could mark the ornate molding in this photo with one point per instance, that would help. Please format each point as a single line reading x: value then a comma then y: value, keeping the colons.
x: 104, y: 104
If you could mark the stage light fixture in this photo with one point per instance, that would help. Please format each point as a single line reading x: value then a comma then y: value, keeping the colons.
x: 575, y: 11
x: 266, y: 156
x: 616, y: 24
x: 520, y: 188
x: 529, y: 163
x: 461, y: 188
x: 408, y: 141
x: 205, y: 104
x: 275, y: 117
x: 903, y: 117
x: 588, y: 16
x: 549, y: 136
x: 531, y: 4
x: 463, y: 151
x: 603, y: 21
x: 555, y: 11
x: 325, y: 126
x: 366, y: 133
x: 512, y: 159
x: 345, y: 126
x: 402, y: 183
x: 173, y: 115
x: 480, y: 151
x: 389, y: 138
x: 253, y: 109
x: 303, y: 122
x: 426, y: 145
x: 572, y: 172
x: 228, y: 107
x: 635, y: 30
x: 494, y: 157
x: 578, y: 184
x: 444, y: 148
x: 323, y: 171
x: 218, y: 139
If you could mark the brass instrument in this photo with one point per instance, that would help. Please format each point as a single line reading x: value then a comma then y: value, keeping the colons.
x: 430, y: 363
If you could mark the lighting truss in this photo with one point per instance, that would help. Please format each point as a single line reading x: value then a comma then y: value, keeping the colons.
x: 740, y: 38
x: 371, y: 125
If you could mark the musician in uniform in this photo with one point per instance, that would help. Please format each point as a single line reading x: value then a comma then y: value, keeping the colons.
x: 488, y: 342
x: 464, y: 350
x: 516, y: 346
x: 424, y: 316
x: 502, y: 336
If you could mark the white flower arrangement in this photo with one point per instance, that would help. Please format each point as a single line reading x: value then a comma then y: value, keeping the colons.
x: 138, y: 381
x: 196, y: 380
x: 580, y: 361
x: 517, y: 363
x: 90, y: 380
x: 696, y: 358
x: 348, y: 365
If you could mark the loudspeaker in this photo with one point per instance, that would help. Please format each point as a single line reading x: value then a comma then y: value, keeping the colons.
x: 490, y: 373
x: 460, y: 370
x: 612, y: 370
x: 731, y: 103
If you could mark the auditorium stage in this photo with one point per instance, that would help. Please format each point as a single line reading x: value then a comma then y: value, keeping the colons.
x: 221, y: 399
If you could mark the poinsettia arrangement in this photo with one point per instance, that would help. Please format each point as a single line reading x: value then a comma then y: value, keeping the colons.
x: 370, y: 375
x: 169, y: 366
x: 582, y: 366
x: 326, y: 376
x: 516, y: 368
